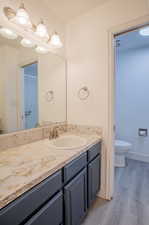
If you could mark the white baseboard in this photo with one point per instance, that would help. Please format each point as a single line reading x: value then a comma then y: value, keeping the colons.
x: 138, y: 156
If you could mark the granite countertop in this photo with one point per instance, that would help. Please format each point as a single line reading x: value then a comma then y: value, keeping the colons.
x: 25, y: 166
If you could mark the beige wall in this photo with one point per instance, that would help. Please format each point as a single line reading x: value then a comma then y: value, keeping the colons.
x: 27, y: 56
x: 52, y: 77
x: 11, y: 100
x: 87, y: 53
x: 2, y: 96
x: 37, y: 12
x: 9, y: 73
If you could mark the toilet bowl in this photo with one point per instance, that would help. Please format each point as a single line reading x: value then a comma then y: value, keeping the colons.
x: 121, y: 150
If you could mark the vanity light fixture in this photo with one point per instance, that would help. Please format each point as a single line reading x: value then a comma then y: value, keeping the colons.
x: 41, y: 31
x: 31, y: 34
x: 8, y: 33
x: 144, y: 31
x: 27, y: 43
x: 22, y: 17
x: 55, y: 41
x: 41, y: 50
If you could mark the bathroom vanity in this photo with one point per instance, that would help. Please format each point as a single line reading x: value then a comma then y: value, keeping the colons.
x: 42, y: 181
x: 64, y: 196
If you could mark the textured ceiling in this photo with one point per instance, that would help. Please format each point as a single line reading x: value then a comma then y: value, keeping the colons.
x: 61, y: 11
x: 66, y: 10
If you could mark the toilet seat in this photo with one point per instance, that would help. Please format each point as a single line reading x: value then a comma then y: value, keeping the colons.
x: 121, y: 149
x: 122, y: 145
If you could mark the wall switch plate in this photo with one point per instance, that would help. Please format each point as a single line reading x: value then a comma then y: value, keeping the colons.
x: 143, y: 132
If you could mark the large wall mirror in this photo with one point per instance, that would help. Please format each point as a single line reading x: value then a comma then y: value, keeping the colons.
x: 32, y: 87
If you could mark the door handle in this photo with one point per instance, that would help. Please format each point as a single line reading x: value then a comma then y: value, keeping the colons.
x: 28, y: 113
x: 114, y: 128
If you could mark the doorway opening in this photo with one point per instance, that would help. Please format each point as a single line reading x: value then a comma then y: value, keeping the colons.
x: 30, y: 95
x: 131, y: 141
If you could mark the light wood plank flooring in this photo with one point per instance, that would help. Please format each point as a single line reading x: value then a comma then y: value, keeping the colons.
x: 130, y: 205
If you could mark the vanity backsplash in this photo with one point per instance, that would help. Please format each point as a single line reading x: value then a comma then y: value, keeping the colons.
x: 83, y: 129
x: 31, y: 135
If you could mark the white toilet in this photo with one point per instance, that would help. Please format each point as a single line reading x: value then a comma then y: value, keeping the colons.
x: 121, y: 150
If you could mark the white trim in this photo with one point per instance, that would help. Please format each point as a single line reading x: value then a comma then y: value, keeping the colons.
x: 111, y: 77
x: 20, y: 90
x: 29, y: 61
x: 138, y: 156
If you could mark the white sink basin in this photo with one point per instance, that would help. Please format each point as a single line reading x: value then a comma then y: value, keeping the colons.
x: 68, y: 142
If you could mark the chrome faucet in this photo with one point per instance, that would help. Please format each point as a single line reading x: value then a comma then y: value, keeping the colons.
x: 53, y: 133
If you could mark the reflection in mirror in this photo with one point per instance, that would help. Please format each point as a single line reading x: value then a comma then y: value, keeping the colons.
x: 32, y: 87
x: 30, y: 95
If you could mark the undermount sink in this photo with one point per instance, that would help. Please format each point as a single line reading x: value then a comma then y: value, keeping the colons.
x: 68, y: 142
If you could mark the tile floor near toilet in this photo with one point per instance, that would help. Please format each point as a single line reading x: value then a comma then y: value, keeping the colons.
x: 130, y: 204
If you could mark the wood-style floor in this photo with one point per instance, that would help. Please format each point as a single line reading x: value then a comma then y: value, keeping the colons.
x: 130, y: 205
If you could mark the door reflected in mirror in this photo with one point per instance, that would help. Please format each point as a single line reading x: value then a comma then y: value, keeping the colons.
x: 30, y: 96
x: 32, y: 87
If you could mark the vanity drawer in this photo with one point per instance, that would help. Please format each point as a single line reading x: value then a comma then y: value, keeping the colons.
x: 51, y: 213
x: 94, y: 151
x: 71, y: 169
x: 17, y: 211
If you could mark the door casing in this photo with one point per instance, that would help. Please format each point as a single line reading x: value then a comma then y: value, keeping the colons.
x: 131, y: 25
x: 20, y: 93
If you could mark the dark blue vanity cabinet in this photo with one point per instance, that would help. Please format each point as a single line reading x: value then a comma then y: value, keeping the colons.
x: 94, y: 151
x: 50, y: 213
x: 31, y: 201
x: 61, y: 199
x: 75, y: 198
x: 74, y: 167
x: 93, y: 179
x: 94, y: 168
x: 82, y: 190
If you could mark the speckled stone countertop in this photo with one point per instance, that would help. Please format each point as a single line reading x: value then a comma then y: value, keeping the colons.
x: 25, y: 166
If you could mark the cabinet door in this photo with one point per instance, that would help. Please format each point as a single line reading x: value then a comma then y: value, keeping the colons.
x: 51, y: 213
x: 24, y: 206
x: 75, y: 194
x: 93, y: 179
x: 74, y: 167
x: 94, y: 151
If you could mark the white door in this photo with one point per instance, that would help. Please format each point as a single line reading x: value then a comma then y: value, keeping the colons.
x: 30, y: 96
x: 30, y: 102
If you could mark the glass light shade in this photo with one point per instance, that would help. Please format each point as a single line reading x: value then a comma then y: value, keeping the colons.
x: 22, y: 17
x: 41, y: 50
x: 55, y: 41
x: 144, y: 31
x: 27, y: 43
x: 41, y: 31
x: 8, y: 33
